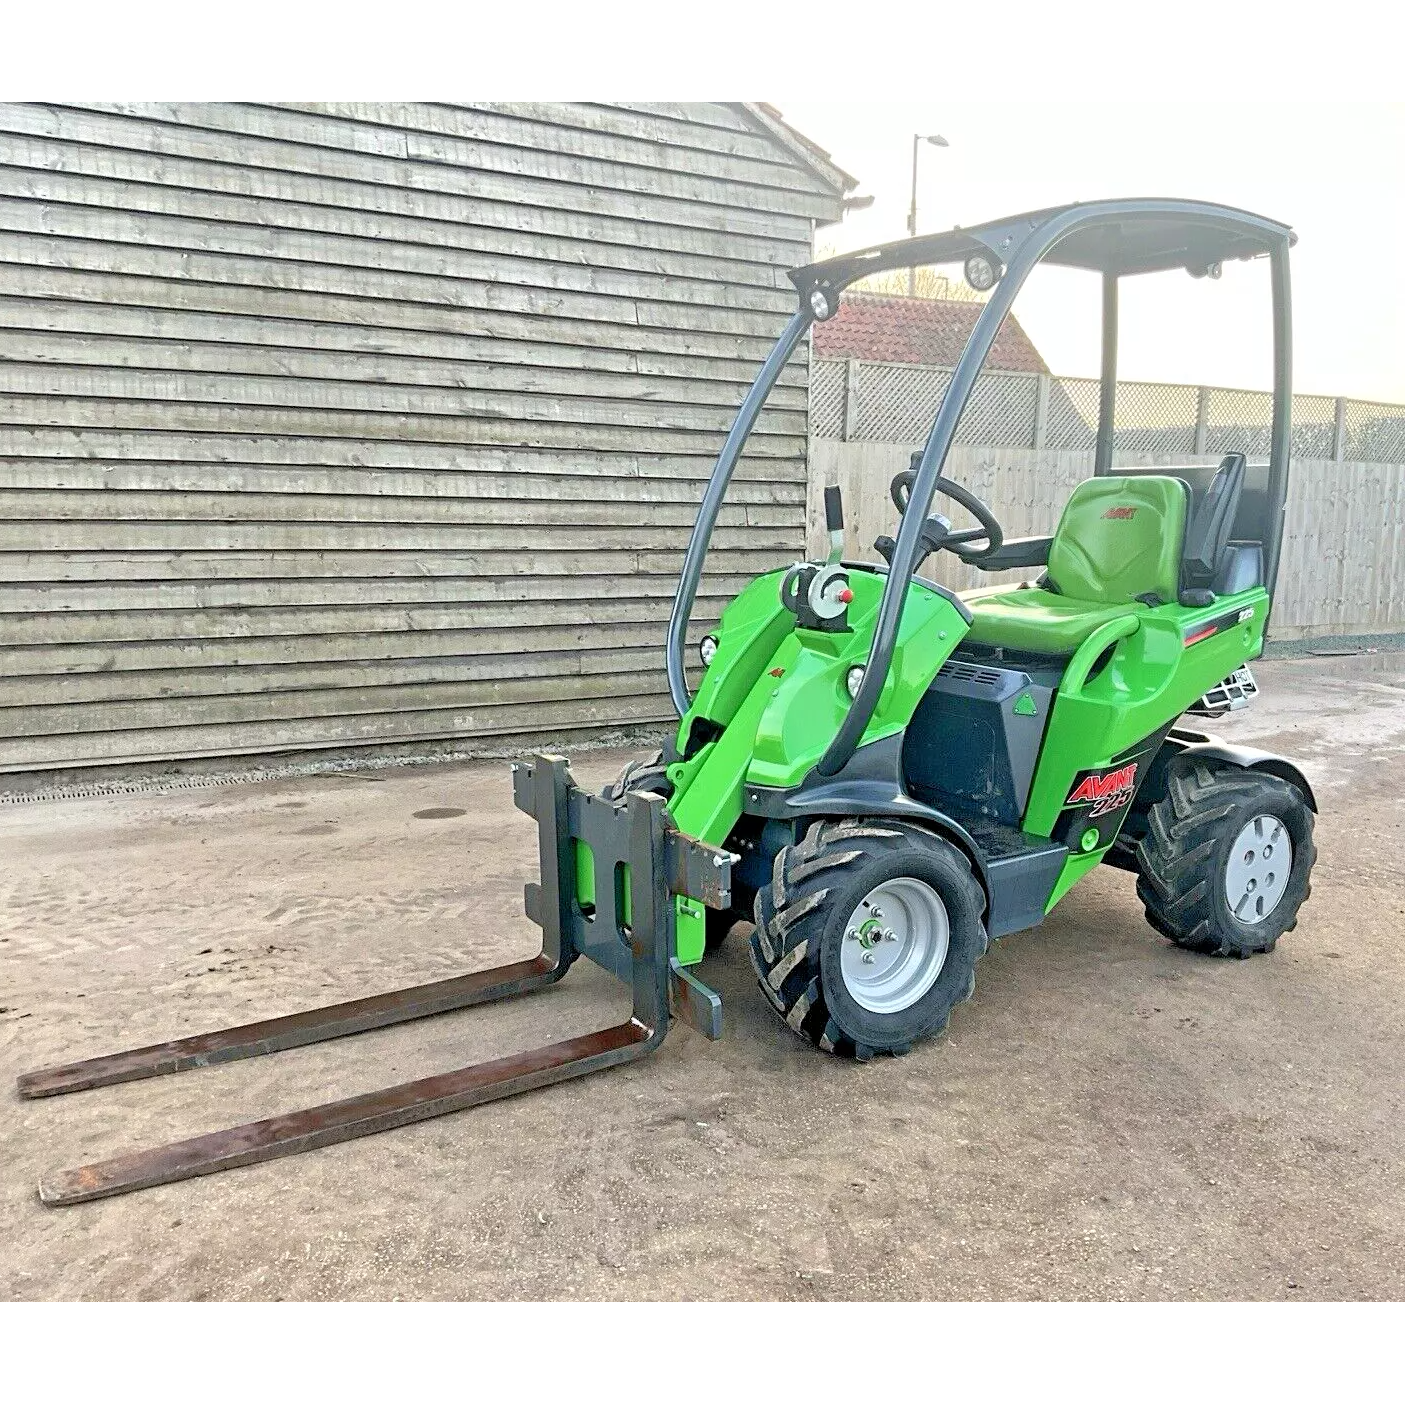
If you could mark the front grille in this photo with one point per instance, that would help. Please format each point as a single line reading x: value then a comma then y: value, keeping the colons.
x: 970, y: 673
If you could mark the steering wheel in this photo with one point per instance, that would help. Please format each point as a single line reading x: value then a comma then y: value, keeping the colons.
x: 989, y: 531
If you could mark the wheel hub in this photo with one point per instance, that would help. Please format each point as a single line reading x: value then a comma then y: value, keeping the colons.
x: 895, y: 945
x: 1256, y: 876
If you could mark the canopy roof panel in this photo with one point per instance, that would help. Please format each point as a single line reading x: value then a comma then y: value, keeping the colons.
x: 1108, y: 236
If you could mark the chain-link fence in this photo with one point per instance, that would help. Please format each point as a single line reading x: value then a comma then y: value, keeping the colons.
x: 895, y: 404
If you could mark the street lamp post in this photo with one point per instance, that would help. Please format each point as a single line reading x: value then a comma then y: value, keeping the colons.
x: 917, y: 140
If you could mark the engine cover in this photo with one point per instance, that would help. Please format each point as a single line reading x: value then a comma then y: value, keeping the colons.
x: 974, y: 739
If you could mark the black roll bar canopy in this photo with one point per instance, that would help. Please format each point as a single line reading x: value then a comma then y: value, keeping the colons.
x: 1112, y: 237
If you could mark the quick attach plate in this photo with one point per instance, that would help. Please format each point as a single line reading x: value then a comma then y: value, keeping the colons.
x: 640, y: 863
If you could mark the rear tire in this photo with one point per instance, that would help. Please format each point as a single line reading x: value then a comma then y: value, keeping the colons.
x: 1226, y: 861
x: 810, y: 936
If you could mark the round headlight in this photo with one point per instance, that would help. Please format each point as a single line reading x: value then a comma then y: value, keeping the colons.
x: 707, y: 648
x: 982, y: 273
x: 821, y: 305
x: 853, y: 680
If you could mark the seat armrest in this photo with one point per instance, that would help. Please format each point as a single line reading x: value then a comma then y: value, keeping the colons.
x: 1017, y: 554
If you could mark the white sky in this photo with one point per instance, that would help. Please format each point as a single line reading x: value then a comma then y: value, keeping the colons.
x: 1335, y: 172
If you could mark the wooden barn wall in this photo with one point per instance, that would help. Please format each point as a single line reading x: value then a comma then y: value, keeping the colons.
x: 376, y: 423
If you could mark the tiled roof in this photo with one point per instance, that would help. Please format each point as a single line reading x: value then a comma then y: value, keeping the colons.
x: 921, y: 331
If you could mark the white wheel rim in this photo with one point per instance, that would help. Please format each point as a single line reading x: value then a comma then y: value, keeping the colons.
x: 1256, y: 876
x: 895, y: 945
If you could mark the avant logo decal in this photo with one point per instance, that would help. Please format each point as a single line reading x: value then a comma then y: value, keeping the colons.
x: 1120, y: 514
x: 1106, y: 793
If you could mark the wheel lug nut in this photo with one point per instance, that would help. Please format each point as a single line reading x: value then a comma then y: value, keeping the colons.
x: 868, y: 958
x: 852, y: 934
x: 877, y: 914
x: 889, y: 935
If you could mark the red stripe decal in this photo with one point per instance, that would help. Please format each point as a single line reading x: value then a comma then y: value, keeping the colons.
x: 1196, y: 638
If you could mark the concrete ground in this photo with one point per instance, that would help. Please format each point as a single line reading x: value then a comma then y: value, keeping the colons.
x: 1109, y: 1117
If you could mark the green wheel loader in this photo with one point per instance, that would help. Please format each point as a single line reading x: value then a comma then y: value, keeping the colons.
x: 879, y: 774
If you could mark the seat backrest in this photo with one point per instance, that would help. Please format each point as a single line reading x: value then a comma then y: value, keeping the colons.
x: 1207, y: 531
x: 1120, y: 540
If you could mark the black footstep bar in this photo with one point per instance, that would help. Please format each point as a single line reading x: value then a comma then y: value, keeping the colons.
x: 640, y: 863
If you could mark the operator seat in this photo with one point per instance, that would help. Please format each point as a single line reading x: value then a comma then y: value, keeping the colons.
x: 1117, y: 551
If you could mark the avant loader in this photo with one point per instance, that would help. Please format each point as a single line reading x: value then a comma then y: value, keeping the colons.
x: 879, y: 774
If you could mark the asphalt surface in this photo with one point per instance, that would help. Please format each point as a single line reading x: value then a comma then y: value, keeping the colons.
x: 1109, y: 1117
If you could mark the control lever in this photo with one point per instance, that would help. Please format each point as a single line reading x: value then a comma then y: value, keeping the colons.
x: 819, y: 595
x: 834, y: 523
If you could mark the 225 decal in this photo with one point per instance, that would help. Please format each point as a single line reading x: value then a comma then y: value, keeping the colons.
x: 1105, y: 793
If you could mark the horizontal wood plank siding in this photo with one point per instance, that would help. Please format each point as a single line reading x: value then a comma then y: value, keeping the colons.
x: 326, y: 425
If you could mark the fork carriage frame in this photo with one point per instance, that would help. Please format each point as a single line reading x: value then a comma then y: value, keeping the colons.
x: 642, y: 863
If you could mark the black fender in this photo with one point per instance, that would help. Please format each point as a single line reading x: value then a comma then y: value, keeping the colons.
x: 844, y: 798
x: 1184, y: 742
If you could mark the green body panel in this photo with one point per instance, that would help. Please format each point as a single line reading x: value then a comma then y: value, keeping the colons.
x: 1151, y: 678
x: 1120, y: 538
x: 810, y: 700
x: 751, y: 629
x: 1075, y: 866
x: 778, y: 693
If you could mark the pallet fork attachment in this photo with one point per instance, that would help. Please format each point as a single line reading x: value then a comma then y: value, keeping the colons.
x: 641, y: 863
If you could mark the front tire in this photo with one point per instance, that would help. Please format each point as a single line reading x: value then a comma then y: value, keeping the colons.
x: 1226, y: 861
x: 868, y: 935
x: 649, y: 774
